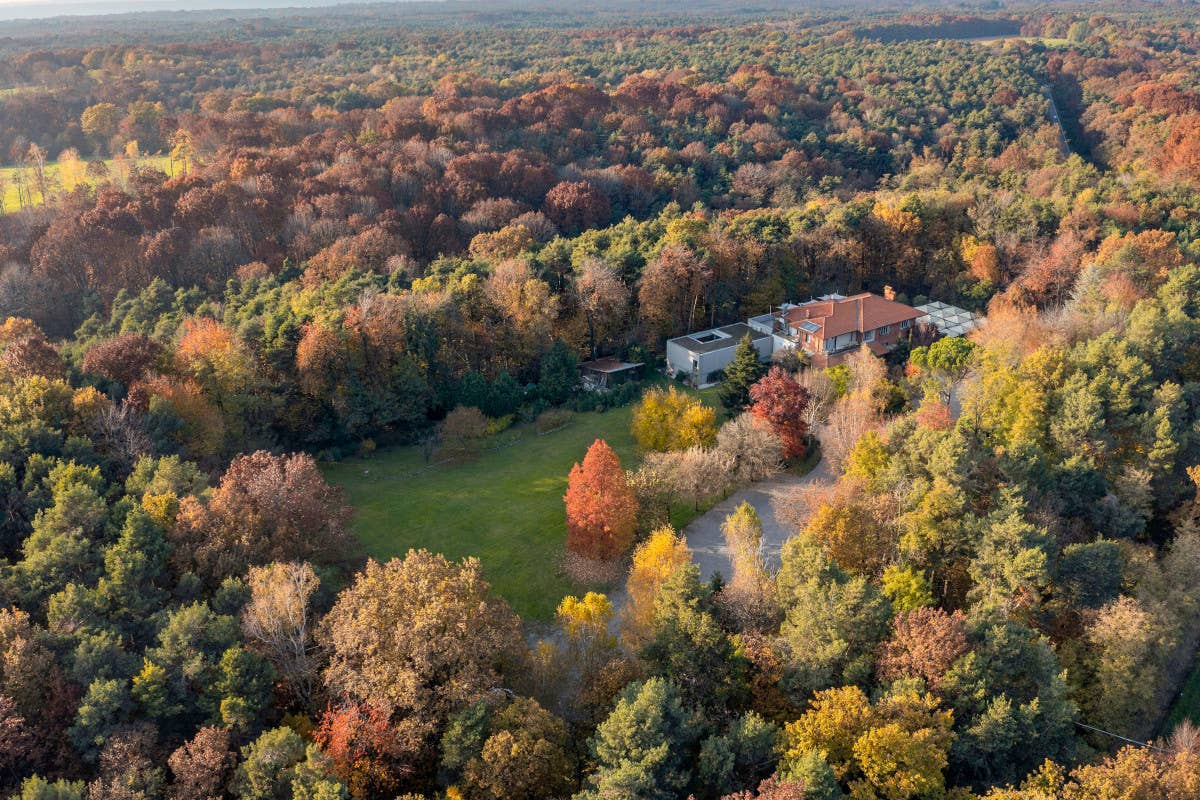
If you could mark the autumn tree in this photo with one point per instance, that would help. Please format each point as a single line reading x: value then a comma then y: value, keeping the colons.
x: 462, y: 431
x: 518, y: 750
x: 201, y: 768
x: 672, y: 288
x: 577, y: 205
x: 853, y: 528
x: 266, y: 508
x: 749, y: 593
x: 654, y: 561
x: 125, y: 358
x: 100, y: 122
x: 924, y: 643
x: 277, y: 620
x: 895, y: 749
x: 780, y: 401
x: 601, y: 508
x: 416, y: 638
x: 603, y: 299
x: 672, y: 420
x: 363, y: 750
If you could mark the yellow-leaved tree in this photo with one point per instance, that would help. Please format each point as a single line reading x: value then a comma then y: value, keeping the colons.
x: 673, y: 420
x: 654, y: 561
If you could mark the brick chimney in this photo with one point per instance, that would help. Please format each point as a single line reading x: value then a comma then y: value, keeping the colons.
x: 889, y: 293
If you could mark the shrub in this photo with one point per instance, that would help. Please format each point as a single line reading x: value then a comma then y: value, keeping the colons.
x: 552, y: 419
x: 500, y: 424
x: 462, y: 430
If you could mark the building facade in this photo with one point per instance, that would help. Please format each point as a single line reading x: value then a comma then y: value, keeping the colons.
x: 701, y: 356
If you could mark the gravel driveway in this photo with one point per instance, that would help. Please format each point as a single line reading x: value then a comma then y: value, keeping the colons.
x: 704, y: 536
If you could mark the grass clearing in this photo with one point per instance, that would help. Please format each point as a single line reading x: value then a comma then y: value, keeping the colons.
x: 504, y: 507
x: 10, y: 200
x: 1187, y: 704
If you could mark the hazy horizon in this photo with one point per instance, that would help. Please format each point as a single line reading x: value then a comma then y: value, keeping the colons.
x: 48, y: 9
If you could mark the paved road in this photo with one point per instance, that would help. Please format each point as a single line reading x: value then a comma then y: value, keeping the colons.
x: 1062, y: 133
x: 704, y: 536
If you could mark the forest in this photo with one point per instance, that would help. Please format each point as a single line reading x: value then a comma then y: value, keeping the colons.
x: 250, y: 261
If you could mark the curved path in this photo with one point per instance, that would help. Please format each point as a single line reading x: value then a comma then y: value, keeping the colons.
x: 704, y: 536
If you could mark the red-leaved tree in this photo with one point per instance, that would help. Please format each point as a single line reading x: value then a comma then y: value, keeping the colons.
x: 363, y: 749
x: 601, y: 508
x: 779, y: 400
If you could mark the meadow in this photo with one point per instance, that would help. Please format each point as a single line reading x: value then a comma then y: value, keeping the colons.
x: 505, y: 506
x: 60, y: 179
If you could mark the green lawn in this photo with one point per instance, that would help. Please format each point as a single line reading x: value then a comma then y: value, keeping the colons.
x: 8, y: 189
x: 505, y: 507
x: 1187, y: 705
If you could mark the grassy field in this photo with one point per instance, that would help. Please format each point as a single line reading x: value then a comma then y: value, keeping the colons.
x: 8, y: 189
x: 1187, y: 705
x: 505, y: 507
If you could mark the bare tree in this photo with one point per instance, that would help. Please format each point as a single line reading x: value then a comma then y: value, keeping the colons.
x: 699, y: 474
x: 754, y: 451
x: 119, y: 431
x: 277, y: 621
x: 35, y: 157
x: 821, y: 396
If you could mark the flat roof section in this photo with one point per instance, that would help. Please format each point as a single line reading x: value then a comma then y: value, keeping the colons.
x: 699, y: 342
x: 609, y: 364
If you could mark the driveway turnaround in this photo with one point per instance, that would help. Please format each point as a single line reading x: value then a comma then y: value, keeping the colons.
x: 704, y: 536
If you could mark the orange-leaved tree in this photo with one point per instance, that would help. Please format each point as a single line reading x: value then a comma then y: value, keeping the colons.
x: 601, y: 508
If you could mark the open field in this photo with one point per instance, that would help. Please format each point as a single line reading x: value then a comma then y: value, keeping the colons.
x: 506, y: 506
x: 1187, y: 704
x: 1045, y: 41
x: 9, y: 200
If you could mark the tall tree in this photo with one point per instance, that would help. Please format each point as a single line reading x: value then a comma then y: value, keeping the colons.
x: 644, y: 749
x: 743, y: 372
x: 602, y: 510
x: 417, y: 638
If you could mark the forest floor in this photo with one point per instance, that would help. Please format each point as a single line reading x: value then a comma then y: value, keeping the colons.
x: 505, y: 506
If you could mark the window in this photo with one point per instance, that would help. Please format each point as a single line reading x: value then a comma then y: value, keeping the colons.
x: 886, y: 329
x: 869, y: 336
x: 829, y: 345
x: 906, y: 324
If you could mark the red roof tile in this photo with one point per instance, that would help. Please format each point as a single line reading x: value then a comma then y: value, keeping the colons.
x: 862, y: 312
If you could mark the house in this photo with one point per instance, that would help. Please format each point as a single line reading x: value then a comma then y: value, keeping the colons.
x: 608, y: 372
x: 699, y: 355
x: 831, y: 327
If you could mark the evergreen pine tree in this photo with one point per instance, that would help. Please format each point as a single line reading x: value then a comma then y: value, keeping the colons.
x: 559, y: 374
x: 742, y: 373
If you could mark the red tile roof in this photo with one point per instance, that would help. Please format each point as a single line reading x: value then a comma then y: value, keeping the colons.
x: 862, y: 312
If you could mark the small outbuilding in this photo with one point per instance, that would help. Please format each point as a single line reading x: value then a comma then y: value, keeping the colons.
x: 606, y: 373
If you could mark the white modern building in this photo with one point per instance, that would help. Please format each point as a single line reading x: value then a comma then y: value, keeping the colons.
x: 699, y: 355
